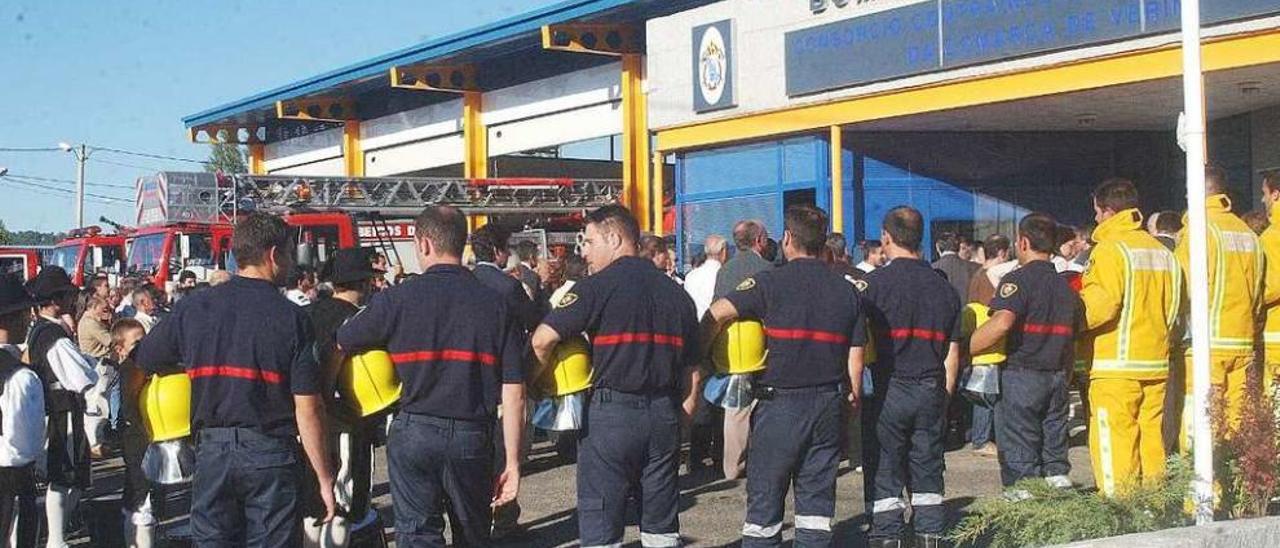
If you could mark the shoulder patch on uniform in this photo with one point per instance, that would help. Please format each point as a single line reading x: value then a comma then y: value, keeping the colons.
x: 860, y: 284
x: 746, y: 284
x: 568, y: 299
x: 1007, y: 289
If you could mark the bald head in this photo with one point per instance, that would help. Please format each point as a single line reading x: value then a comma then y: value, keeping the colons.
x: 716, y: 247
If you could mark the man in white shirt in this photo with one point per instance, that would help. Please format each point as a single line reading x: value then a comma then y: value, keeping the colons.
x: 22, y: 432
x: 872, y: 256
x: 700, y: 283
x: 144, y: 307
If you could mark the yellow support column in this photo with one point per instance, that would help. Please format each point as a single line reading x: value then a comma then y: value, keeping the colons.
x: 659, y: 195
x: 837, y: 180
x: 475, y: 137
x: 636, y: 193
x: 256, y: 159
x: 352, y: 152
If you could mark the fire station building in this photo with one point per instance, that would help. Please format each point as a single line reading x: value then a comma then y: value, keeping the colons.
x: 975, y: 112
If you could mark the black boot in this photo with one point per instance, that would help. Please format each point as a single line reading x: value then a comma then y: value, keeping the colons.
x: 885, y: 542
x: 931, y: 541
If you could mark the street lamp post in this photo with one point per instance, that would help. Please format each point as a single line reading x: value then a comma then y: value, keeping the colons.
x: 81, y: 153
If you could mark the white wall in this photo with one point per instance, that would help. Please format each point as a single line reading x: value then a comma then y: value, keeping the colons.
x: 317, y: 149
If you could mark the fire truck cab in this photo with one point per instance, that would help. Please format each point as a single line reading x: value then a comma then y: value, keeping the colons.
x: 21, y: 261
x: 87, y: 252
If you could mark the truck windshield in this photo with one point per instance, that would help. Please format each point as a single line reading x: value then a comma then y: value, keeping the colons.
x: 65, y: 256
x: 146, y: 253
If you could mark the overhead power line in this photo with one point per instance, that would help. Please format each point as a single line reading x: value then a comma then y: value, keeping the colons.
x: 126, y: 164
x: 67, y: 181
x: 146, y: 155
x: 63, y: 191
x: 30, y: 149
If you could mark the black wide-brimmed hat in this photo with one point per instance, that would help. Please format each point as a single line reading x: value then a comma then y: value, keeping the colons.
x: 51, y: 283
x: 12, y: 295
x: 350, y: 265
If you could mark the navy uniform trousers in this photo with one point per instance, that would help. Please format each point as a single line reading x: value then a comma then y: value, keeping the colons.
x: 246, y: 490
x: 437, y: 464
x: 909, y: 420
x: 795, y: 440
x: 1031, y: 426
x: 630, y: 445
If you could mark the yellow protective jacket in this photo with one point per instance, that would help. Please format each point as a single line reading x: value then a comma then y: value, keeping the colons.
x: 1235, y: 278
x: 1132, y: 292
x: 1271, y: 287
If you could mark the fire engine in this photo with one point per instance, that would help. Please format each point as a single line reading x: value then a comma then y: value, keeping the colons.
x: 87, y: 252
x: 185, y: 219
x: 22, y: 261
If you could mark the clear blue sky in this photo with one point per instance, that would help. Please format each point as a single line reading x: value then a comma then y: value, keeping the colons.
x: 122, y: 74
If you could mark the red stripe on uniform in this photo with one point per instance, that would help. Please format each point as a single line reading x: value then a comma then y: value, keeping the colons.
x: 641, y: 338
x: 917, y: 333
x: 807, y: 334
x: 234, y: 372
x: 448, y: 355
x: 1048, y: 329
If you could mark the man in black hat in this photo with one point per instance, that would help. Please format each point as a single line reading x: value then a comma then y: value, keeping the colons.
x: 66, y: 375
x: 21, y: 416
x: 351, y: 274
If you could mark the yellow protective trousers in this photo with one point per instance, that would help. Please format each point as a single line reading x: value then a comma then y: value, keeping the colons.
x: 1125, y: 443
x: 1228, y: 374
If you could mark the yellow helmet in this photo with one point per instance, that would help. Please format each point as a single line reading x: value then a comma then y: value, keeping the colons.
x: 740, y: 348
x: 368, y: 382
x: 572, y: 371
x: 972, y: 317
x: 166, y: 406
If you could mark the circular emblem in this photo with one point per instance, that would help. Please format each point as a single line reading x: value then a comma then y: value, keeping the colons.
x: 713, y: 66
x: 747, y: 284
x: 1008, y: 289
x: 568, y: 299
x: 860, y: 284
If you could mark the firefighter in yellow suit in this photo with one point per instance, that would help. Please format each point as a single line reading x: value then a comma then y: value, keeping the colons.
x: 1235, y: 298
x: 1131, y: 293
x: 1271, y: 285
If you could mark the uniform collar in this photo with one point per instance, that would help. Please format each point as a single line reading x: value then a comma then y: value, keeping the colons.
x: 1041, y: 263
x: 254, y: 282
x: 1214, y: 203
x: 1124, y: 221
x: 449, y: 268
x: 1275, y: 215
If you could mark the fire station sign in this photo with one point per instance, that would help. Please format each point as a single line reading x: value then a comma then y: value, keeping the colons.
x: 713, y: 66
x: 932, y: 35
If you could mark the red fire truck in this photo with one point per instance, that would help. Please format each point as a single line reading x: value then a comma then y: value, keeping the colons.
x: 86, y: 252
x: 185, y: 219
x: 22, y: 261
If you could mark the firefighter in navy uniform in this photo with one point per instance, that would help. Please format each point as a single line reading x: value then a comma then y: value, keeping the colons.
x: 458, y: 350
x: 643, y: 333
x: 815, y: 333
x: 914, y: 315
x: 1039, y: 313
x: 255, y: 389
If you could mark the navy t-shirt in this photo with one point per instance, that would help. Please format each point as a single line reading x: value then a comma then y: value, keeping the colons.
x: 248, y: 351
x: 453, y: 340
x: 914, y: 314
x: 642, y: 325
x: 1048, y: 313
x: 811, y: 315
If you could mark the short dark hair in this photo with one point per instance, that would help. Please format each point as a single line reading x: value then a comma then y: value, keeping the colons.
x: 527, y: 250
x: 868, y: 245
x: 487, y: 240
x: 299, y: 274
x: 1168, y: 222
x: 1041, y: 231
x: 1215, y: 179
x: 444, y: 226
x: 947, y: 241
x: 1271, y: 180
x: 186, y: 275
x: 808, y: 227
x: 96, y: 281
x: 1116, y: 194
x: 1064, y: 234
x: 575, y: 267
x: 994, y: 245
x: 838, y: 245
x: 745, y: 233
x: 906, y: 225
x: 651, y: 246
x: 615, y: 218
x: 254, y: 237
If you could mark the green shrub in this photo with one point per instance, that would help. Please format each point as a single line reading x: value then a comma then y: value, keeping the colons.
x: 1055, y: 516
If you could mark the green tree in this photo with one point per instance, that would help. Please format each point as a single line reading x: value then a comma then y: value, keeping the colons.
x: 227, y: 158
x: 5, y: 238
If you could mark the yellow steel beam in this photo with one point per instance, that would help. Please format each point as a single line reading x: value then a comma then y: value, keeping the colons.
x: 227, y: 133
x: 1151, y: 64
x: 352, y: 150
x: 448, y: 78
x: 257, y: 159
x: 837, y: 179
x: 635, y: 142
x: 614, y: 40
x: 475, y: 138
x: 659, y: 195
x: 324, y: 109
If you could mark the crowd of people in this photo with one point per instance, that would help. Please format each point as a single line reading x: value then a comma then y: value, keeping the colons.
x: 864, y: 360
